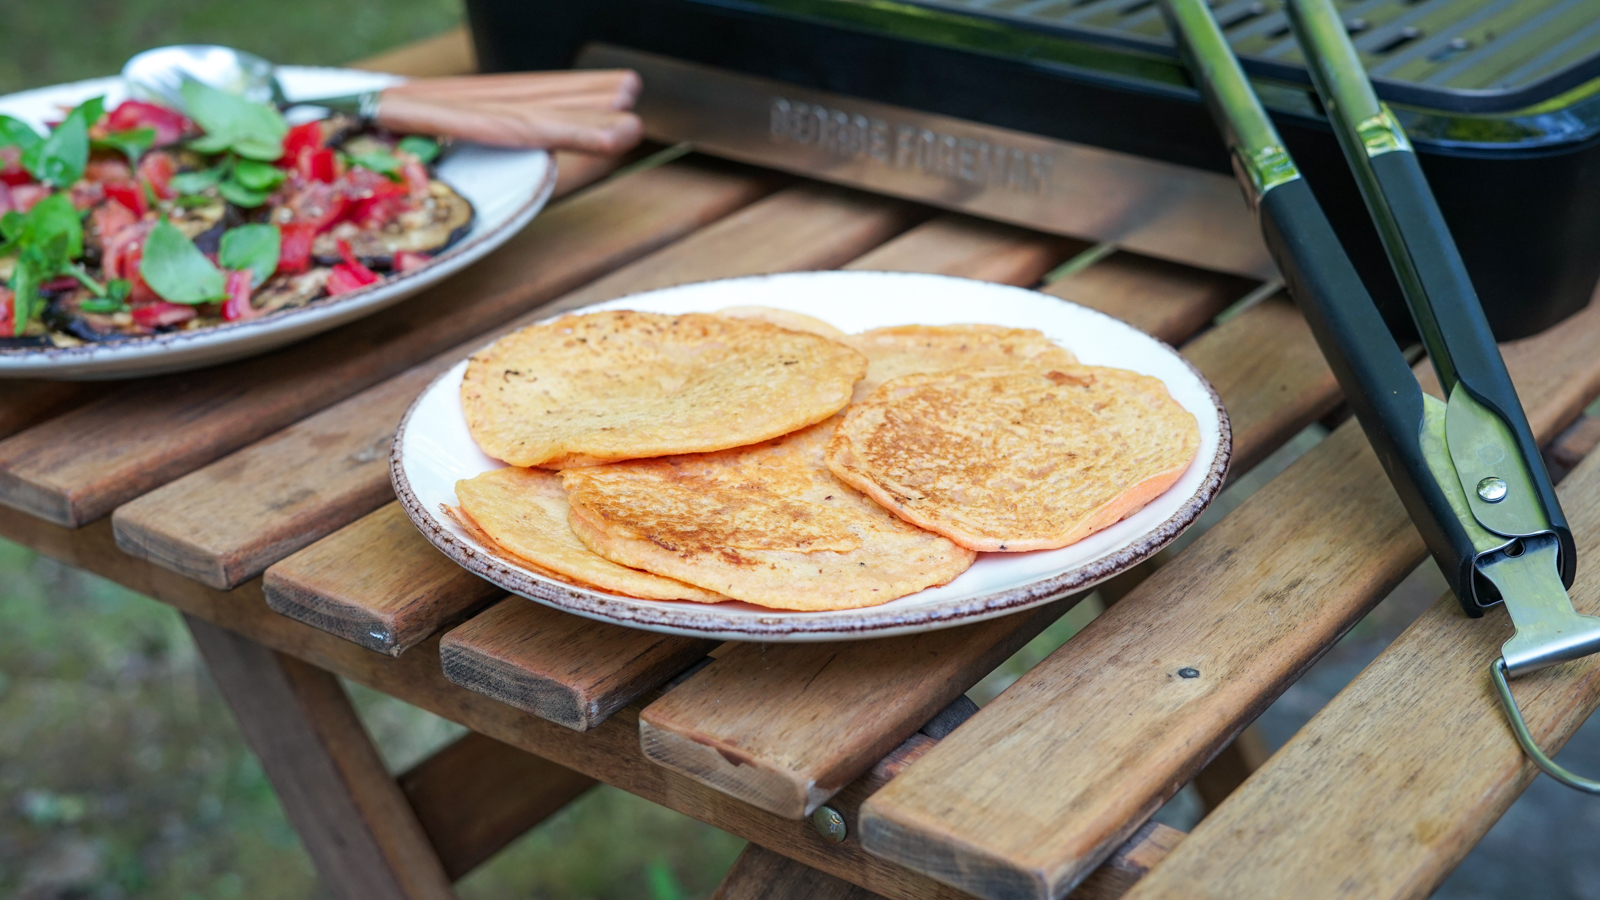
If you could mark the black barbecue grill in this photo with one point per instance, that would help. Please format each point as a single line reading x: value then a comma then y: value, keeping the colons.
x: 1076, y: 116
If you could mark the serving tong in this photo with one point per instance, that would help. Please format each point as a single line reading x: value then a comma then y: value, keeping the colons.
x: 1467, y: 468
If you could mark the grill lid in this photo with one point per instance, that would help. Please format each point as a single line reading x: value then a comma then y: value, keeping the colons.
x: 1461, y: 55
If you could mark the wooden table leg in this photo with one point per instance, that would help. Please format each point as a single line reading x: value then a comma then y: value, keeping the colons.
x: 351, y: 814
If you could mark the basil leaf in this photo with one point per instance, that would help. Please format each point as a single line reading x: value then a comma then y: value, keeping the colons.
x: 257, y: 176
x: 239, y: 195
x: 51, y: 226
x: 132, y: 143
x: 17, y: 133
x: 424, y: 149
x: 253, y: 247
x: 254, y: 130
x: 59, y: 158
x: 176, y: 269
x: 195, y: 182
x: 106, y: 304
x: 382, y: 163
x: 32, y: 270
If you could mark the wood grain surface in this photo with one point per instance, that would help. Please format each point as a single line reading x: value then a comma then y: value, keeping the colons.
x: 477, y: 795
x: 1403, y: 772
x: 1106, y: 728
x: 351, y: 816
x: 609, y: 753
x: 785, y: 727
x: 78, y: 466
x: 570, y: 670
x: 1169, y: 300
x: 450, y: 53
x: 760, y: 874
x: 378, y: 583
x: 965, y: 247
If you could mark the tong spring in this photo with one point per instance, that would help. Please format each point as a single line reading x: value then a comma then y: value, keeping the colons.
x: 1519, y: 727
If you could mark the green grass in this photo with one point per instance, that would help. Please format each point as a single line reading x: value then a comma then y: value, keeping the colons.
x: 50, y: 41
x: 122, y: 773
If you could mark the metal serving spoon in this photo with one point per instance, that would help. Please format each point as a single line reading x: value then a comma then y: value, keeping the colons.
x: 582, y: 110
x: 158, y: 75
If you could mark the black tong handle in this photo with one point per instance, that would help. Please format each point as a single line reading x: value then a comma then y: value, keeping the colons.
x: 1378, y: 384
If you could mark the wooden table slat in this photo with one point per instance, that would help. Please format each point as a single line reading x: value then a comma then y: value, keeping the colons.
x: 784, y: 727
x: 78, y: 466
x: 477, y: 795
x: 1169, y: 300
x: 1420, y: 723
x: 1107, y: 730
x: 570, y: 670
x: 609, y: 753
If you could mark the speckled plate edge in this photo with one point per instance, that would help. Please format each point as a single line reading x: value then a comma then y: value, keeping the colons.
x: 183, y: 350
x: 702, y: 620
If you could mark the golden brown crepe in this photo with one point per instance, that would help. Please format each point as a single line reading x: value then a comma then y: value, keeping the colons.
x: 617, y: 385
x: 523, y: 513
x: 917, y: 349
x: 767, y: 524
x: 1011, y: 459
x: 785, y: 318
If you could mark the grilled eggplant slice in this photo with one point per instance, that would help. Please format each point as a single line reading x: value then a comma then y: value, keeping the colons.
x: 443, y: 219
x: 288, y: 291
x: 64, y: 316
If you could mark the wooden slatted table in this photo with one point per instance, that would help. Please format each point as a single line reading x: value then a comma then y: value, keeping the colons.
x: 255, y: 499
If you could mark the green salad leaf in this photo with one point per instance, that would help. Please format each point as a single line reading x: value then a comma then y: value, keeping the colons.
x: 254, y: 247
x: 252, y: 130
x: 17, y: 133
x: 60, y: 157
x: 239, y: 195
x: 132, y: 143
x: 385, y: 164
x: 187, y: 183
x: 424, y: 149
x: 46, y: 239
x: 258, y: 176
x: 176, y: 269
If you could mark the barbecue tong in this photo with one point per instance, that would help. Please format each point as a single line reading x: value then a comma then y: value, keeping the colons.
x: 1467, y: 468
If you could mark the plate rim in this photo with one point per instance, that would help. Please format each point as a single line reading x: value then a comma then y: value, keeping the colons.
x: 81, y: 361
x: 789, y: 625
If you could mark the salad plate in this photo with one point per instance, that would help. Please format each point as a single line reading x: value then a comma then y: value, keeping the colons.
x: 433, y: 449
x: 505, y: 188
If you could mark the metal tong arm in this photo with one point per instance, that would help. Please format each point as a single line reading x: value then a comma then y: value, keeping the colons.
x: 1378, y: 384
x: 1496, y: 458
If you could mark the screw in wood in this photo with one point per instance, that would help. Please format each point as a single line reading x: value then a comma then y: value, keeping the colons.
x: 829, y: 823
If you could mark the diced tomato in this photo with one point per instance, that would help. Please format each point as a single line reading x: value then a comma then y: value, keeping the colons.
x: 301, y: 137
x: 109, y: 218
x: 294, y: 246
x: 238, y: 308
x: 407, y: 260
x: 24, y: 196
x: 318, y: 204
x: 161, y: 314
x: 323, y: 166
x: 8, y: 326
x: 129, y: 195
x: 157, y: 169
x: 349, y: 275
x: 341, y: 281
x: 169, y: 126
x: 416, y: 176
x: 107, y: 169
x: 86, y: 194
x: 123, y: 252
x: 11, y: 170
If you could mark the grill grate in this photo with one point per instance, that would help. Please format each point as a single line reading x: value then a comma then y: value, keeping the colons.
x: 1494, y: 54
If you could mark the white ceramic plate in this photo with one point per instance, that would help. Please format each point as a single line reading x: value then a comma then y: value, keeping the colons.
x: 507, y: 188
x: 433, y: 449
